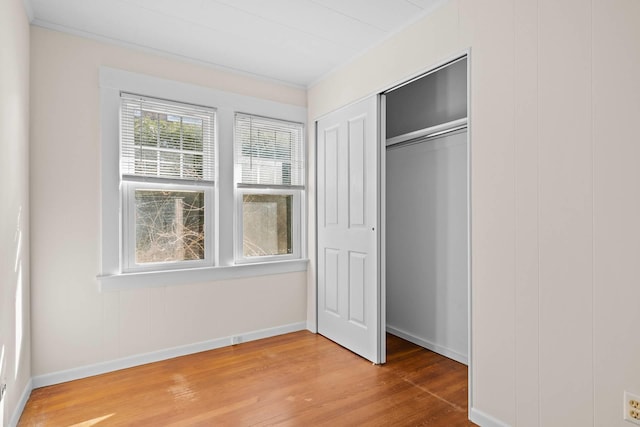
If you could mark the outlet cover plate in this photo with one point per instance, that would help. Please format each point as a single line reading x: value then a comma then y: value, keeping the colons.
x: 632, y: 408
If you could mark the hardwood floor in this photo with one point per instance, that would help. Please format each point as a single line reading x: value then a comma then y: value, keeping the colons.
x: 298, y: 379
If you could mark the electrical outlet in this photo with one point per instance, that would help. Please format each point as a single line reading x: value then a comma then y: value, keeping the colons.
x: 632, y: 407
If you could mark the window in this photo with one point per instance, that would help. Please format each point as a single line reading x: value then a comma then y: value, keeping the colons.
x: 269, y: 175
x: 169, y: 194
x: 167, y: 160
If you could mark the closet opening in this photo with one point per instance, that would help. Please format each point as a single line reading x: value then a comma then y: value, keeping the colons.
x: 426, y: 211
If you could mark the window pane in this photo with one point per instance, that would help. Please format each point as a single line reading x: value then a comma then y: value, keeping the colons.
x: 169, y: 131
x: 268, y: 151
x: 147, y: 129
x: 146, y: 161
x: 165, y: 140
x: 267, y: 225
x: 192, y: 165
x: 192, y: 134
x: 170, y: 164
x: 169, y: 226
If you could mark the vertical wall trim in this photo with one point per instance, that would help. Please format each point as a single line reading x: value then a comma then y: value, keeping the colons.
x: 469, y: 233
x: 593, y: 215
x: 539, y: 123
x: 514, y: 159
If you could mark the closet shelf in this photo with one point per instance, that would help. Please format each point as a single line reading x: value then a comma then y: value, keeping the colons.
x: 429, y: 132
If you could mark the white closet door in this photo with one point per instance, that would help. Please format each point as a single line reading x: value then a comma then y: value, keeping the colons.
x: 349, y: 294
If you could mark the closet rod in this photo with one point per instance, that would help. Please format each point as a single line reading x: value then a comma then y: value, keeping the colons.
x: 429, y: 132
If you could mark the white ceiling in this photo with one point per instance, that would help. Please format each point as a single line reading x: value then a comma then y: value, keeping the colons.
x: 294, y: 41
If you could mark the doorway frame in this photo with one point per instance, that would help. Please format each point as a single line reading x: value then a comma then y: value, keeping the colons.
x: 381, y: 180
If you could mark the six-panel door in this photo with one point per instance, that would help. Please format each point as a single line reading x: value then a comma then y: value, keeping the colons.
x: 349, y: 303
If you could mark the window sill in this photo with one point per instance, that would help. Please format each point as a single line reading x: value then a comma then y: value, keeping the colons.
x: 127, y: 281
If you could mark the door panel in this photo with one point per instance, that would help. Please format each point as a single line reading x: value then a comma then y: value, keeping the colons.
x: 357, y: 172
x: 349, y: 294
x: 330, y: 205
x: 331, y: 273
x: 357, y: 300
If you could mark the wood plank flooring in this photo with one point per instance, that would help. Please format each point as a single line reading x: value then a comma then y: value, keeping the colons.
x: 298, y: 379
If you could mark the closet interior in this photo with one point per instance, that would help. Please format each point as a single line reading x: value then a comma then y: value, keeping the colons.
x: 426, y: 205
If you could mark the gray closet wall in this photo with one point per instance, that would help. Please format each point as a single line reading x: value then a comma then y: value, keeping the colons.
x: 431, y: 100
x: 427, y: 214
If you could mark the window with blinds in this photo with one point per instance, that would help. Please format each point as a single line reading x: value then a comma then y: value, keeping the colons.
x: 270, y: 174
x: 269, y: 153
x: 164, y: 139
x: 167, y: 168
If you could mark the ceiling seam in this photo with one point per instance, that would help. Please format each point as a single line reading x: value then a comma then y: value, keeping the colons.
x: 349, y: 16
x: 272, y: 21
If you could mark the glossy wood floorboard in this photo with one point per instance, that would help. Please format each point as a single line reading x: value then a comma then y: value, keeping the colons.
x: 298, y: 379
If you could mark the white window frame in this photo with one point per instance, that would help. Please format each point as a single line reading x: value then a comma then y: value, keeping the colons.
x: 297, y: 191
x: 112, y: 275
x: 296, y: 220
x: 129, y: 230
x: 130, y: 183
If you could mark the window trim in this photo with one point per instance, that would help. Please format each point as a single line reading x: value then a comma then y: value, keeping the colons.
x: 161, y: 278
x: 111, y: 276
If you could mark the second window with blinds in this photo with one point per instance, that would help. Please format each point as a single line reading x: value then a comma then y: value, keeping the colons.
x: 269, y: 179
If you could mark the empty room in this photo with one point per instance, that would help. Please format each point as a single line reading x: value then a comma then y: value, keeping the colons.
x: 314, y: 212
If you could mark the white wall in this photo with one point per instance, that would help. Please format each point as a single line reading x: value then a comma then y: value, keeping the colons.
x: 15, y: 339
x: 73, y: 324
x: 555, y: 230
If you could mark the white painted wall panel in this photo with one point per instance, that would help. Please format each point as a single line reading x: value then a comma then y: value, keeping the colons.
x: 159, y: 317
x: 566, y: 214
x: 15, y: 335
x: 135, y: 321
x: 493, y: 209
x: 110, y: 347
x: 73, y: 324
x: 554, y: 92
x: 526, y: 187
x: 616, y: 228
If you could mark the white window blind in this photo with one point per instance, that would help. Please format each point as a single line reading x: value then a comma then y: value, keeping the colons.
x: 164, y: 139
x: 269, y: 153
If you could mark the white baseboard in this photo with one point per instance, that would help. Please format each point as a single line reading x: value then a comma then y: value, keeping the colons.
x: 451, y: 354
x: 17, y: 413
x: 485, y: 420
x: 156, y: 356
